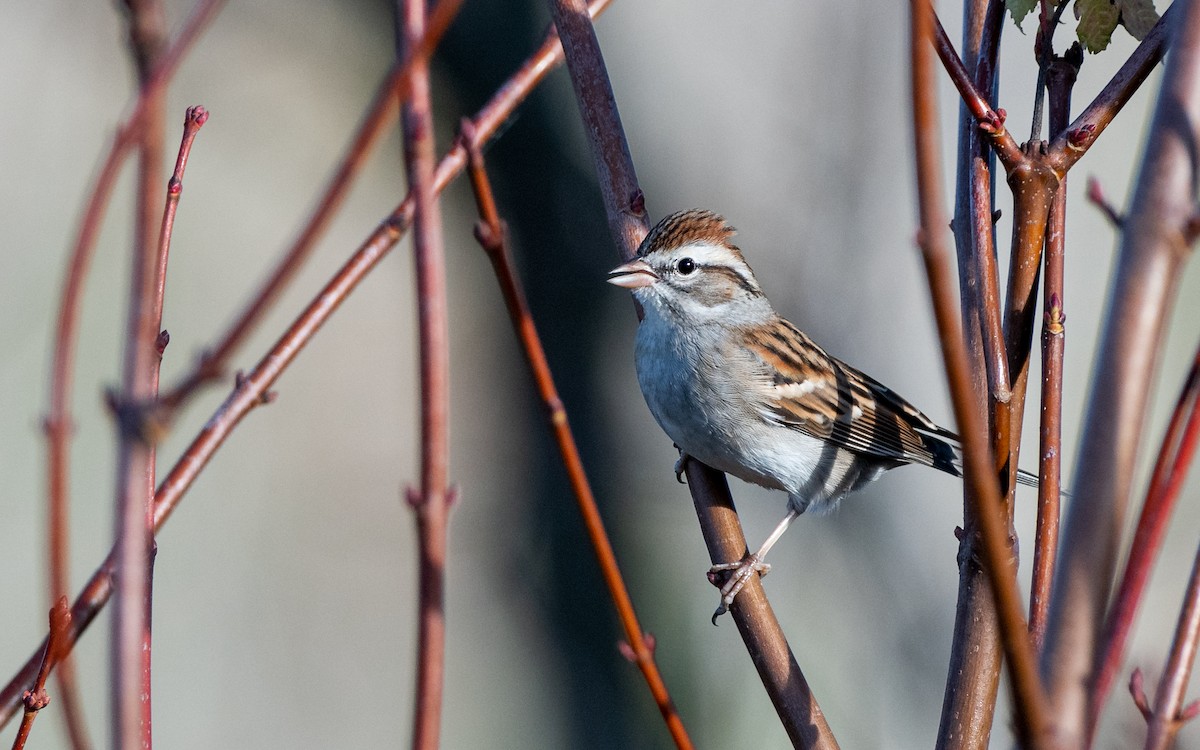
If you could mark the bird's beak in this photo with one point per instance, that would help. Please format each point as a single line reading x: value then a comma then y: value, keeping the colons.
x: 633, y: 275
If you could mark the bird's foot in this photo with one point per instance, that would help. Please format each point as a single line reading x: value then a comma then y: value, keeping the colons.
x: 681, y: 465
x: 732, y: 577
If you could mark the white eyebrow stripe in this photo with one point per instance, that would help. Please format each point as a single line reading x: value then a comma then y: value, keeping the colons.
x: 704, y: 253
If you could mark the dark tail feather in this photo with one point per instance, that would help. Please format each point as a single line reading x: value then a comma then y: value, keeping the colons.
x: 946, y: 457
x: 1027, y: 479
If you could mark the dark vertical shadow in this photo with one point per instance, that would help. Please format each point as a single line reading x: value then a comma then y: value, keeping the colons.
x: 562, y: 250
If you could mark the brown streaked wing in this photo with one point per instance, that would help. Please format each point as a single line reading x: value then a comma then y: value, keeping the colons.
x: 826, y: 398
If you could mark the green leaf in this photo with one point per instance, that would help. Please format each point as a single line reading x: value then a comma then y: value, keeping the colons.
x: 1138, y: 17
x: 1097, y: 20
x: 1020, y: 9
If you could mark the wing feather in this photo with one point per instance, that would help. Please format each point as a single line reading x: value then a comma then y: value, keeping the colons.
x: 819, y: 395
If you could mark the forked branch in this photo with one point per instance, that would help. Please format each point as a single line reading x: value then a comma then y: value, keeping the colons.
x: 1029, y: 717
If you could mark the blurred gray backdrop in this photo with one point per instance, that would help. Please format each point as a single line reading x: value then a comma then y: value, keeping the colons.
x: 285, y: 582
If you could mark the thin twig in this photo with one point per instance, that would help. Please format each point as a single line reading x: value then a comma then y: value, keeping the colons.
x: 36, y: 698
x: 431, y: 503
x: 254, y: 389
x: 1095, y: 195
x: 130, y: 647
x: 975, y: 663
x: 999, y: 563
x: 58, y: 422
x: 492, y: 237
x: 1166, y: 483
x: 380, y: 116
x: 1069, y: 146
x: 991, y: 121
x: 1169, y: 713
x: 1060, y: 74
x: 1043, y: 47
x: 625, y: 208
x: 1033, y: 187
x: 1153, y: 249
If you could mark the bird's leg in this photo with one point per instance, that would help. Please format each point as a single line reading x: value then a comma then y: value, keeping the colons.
x: 747, y: 566
x: 681, y: 465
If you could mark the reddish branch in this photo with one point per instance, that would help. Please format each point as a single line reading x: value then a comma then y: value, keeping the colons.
x: 975, y: 664
x: 1071, y: 144
x: 58, y: 423
x: 1166, y: 482
x: 36, y: 698
x: 492, y: 237
x: 1034, y: 174
x: 1169, y: 714
x: 991, y: 121
x: 1152, y: 252
x: 1001, y: 567
x: 1060, y: 74
x: 625, y: 207
x: 379, y: 117
x: 254, y: 389
x: 431, y: 503
x: 129, y: 650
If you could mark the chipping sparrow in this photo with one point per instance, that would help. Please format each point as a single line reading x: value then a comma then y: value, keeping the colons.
x: 741, y: 389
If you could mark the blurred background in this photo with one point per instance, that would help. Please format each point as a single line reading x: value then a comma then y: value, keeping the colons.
x: 285, y: 587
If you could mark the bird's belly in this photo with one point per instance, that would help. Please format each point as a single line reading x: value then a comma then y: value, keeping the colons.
x: 717, y: 424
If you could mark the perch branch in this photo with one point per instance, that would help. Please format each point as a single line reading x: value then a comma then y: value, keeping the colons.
x: 625, y: 207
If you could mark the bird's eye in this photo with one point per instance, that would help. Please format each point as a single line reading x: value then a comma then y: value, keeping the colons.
x: 686, y: 266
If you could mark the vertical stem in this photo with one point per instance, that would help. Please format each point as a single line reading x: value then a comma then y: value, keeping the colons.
x: 1001, y: 568
x: 431, y: 505
x: 975, y: 654
x: 625, y: 206
x: 130, y: 651
x: 1170, y: 469
x: 1060, y: 79
x: 379, y: 116
x: 1172, y: 686
x: 1033, y: 185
